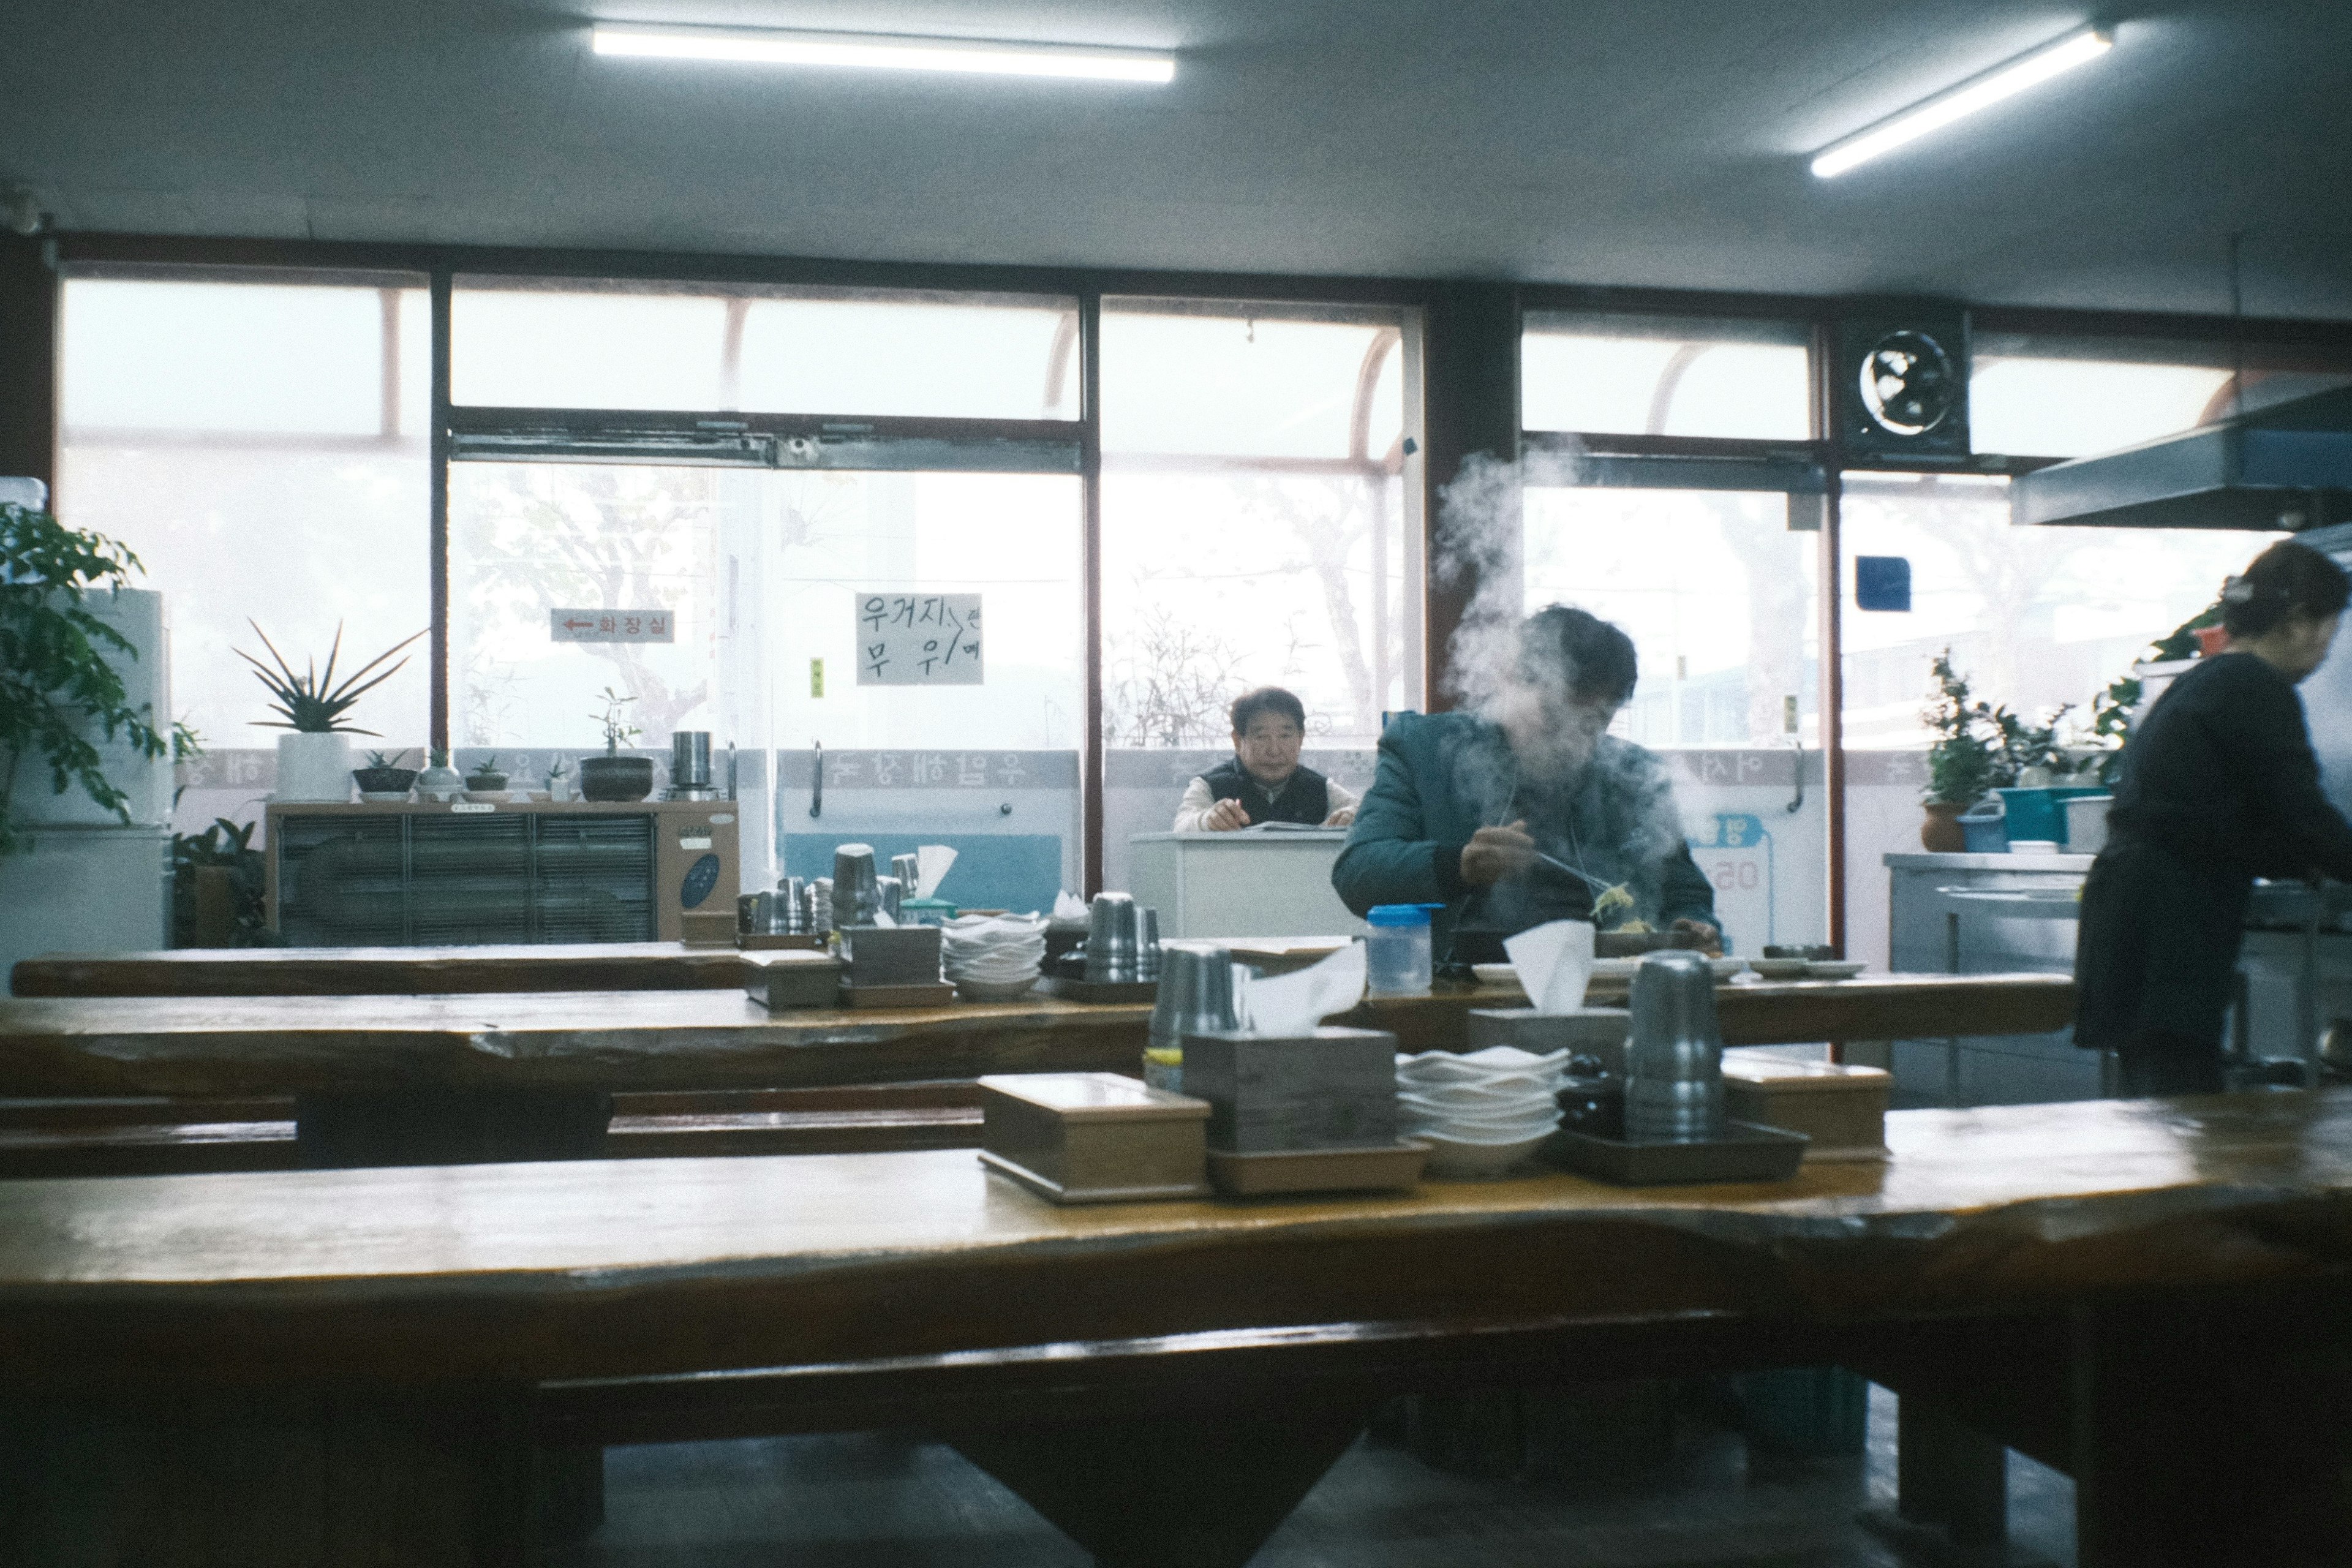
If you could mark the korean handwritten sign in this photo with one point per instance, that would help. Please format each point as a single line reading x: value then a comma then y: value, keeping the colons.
x: 918, y: 639
x: 612, y: 626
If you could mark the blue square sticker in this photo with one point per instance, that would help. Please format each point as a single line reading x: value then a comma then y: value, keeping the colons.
x: 1881, y: 582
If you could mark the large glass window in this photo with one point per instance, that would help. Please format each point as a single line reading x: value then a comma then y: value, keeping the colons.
x: 259, y: 439
x: 1253, y: 518
x: 521, y: 342
x: 2070, y: 397
x: 1664, y: 376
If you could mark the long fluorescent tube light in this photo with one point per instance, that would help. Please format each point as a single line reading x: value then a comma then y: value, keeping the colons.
x: 883, y: 51
x: 2002, y: 81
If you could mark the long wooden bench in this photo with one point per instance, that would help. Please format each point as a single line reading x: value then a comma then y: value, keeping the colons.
x: 326, y: 1366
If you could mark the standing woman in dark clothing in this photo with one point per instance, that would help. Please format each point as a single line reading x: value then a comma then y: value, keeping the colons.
x: 2219, y: 786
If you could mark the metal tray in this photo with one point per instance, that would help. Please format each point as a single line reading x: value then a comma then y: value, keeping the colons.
x: 1102, y: 991
x: 1387, y: 1168
x: 1746, y: 1152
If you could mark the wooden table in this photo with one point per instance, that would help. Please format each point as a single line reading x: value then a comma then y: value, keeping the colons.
x: 380, y: 970
x: 2150, y: 1292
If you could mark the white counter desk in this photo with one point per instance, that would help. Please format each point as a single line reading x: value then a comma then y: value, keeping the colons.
x: 1248, y: 883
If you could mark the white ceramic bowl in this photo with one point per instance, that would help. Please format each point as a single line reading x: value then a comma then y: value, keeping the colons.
x: 1477, y: 1100
x: 1834, y: 968
x: 1457, y: 1133
x: 1453, y: 1159
x: 1478, y: 1067
x: 1546, y: 1111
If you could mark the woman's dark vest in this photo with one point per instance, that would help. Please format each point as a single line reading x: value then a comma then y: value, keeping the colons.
x: 1305, y: 797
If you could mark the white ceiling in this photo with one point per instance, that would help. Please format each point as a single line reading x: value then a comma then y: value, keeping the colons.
x: 1650, y: 142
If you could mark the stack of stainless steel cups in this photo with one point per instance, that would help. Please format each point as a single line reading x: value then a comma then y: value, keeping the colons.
x: 1674, y: 1062
x: 857, y: 898
x: 792, y: 906
x: 820, y: 904
x: 908, y: 869
x: 1114, y: 941
x: 888, y: 892
x: 1196, y: 996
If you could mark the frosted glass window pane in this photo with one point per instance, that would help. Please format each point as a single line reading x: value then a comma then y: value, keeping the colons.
x: 519, y: 349
x: 177, y: 355
x: 1664, y: 377
x: 248, y: 457
x: 835, y: 356
x: 1235, y: 384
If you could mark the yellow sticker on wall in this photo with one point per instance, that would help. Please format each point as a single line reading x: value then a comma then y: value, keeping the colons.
x: 816, y: 678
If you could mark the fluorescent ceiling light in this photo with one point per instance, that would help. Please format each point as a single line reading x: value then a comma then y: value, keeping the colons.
x: 1982, y: 92
x: 885, y: 51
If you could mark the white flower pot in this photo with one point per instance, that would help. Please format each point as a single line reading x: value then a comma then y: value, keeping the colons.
x: 314, y: 768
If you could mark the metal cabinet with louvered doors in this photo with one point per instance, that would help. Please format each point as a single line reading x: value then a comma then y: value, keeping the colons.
x: 434, y: 874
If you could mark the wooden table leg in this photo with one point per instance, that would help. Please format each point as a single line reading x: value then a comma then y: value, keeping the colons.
x: 2212, y: 1435
x: 437, y: 1479
x: 1950, y: 1474
x: 1182, y: 1492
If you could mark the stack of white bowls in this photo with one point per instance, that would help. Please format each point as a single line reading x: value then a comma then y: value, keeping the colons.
x: 993, y: 958
x: 1482, y: 1112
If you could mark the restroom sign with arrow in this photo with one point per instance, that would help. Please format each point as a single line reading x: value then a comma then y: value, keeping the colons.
x: 612, y: 626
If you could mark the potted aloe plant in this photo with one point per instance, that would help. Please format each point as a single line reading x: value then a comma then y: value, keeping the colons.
x: 488, y: 777
x: 314, y: 763
x: 613, y: 777
x: 439, y: 781
x: 384, y: 776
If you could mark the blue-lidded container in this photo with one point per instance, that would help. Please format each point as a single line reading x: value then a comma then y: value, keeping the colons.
x: 1397, y: 958
x: 1985, y: 829
x: 2035, y: 813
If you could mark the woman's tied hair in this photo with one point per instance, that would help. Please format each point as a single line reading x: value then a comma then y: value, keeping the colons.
x: 2287, y: 580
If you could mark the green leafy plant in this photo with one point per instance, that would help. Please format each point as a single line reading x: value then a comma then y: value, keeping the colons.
x: 487, y: 768
x: 1966, y: 758
x: 312, y: 702
x: 2111, y: 710
x: 437, y: 757
x: 378, y: 760
x: 616, y: 733
x: 226, y: 847
x: 56, y: 683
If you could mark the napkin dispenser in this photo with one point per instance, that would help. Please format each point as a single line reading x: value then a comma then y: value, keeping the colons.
x: 1093, y: 1137
x: 792, y: 979
x: 1327, y: 1087
x: 891, y: 956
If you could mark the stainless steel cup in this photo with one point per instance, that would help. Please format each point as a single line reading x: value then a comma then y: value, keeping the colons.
x: 747, y: 914
x: 792, y: 906
x: 1146, y: 946
x: 908, y: 869
x: 1674, y: 1060
x: 888, y: 892
x: 820, y: 900
x: 1196, y: 995
x: 689, y: 759
x: 1114, y: 940
x: 855, y: 897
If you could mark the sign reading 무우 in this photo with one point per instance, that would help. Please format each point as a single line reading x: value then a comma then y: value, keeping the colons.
x: 612, y: 626
x: 918, y: 639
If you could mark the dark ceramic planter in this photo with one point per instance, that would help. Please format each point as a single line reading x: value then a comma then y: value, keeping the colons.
x: 617, y: 778
x: 1942, y: 833
x: 384, y: 781
x: 486, y: 783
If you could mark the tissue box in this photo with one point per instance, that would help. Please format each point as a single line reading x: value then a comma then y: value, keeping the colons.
x: 1093, y: 1137
x: 780, y: 980
x: 1841, y: 1107
x: 1589, y: 1031
x: 891, y: 956
x: 1330, y: 1088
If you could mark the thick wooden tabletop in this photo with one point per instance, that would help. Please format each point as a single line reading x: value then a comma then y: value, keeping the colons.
x: 232, y: 1047
x: 380, y: 970
x: 611, y: 1267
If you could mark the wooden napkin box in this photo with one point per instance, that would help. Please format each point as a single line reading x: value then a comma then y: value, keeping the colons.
x: 1588, y: 1032
x: 792, y: 979
x: 1841, y: 1107
x: 1328, y: 1089
x: 1093, y: 1137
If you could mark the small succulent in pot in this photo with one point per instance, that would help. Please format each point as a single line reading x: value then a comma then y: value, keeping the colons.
x: 486, y: 775
x: 439, y: 781
x: 384, y: 776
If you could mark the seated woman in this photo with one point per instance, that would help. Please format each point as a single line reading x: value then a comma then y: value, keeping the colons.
x: 1262, y: 781
x: 1528, y: 810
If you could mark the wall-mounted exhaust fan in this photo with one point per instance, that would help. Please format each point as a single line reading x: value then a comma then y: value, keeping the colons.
x: 1902, y: 386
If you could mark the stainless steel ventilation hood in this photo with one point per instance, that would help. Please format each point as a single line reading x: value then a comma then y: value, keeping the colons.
x: 2285, y: 466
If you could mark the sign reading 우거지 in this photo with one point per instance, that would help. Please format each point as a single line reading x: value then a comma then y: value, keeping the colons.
x: 612, y: 626
x: 918, y: 639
